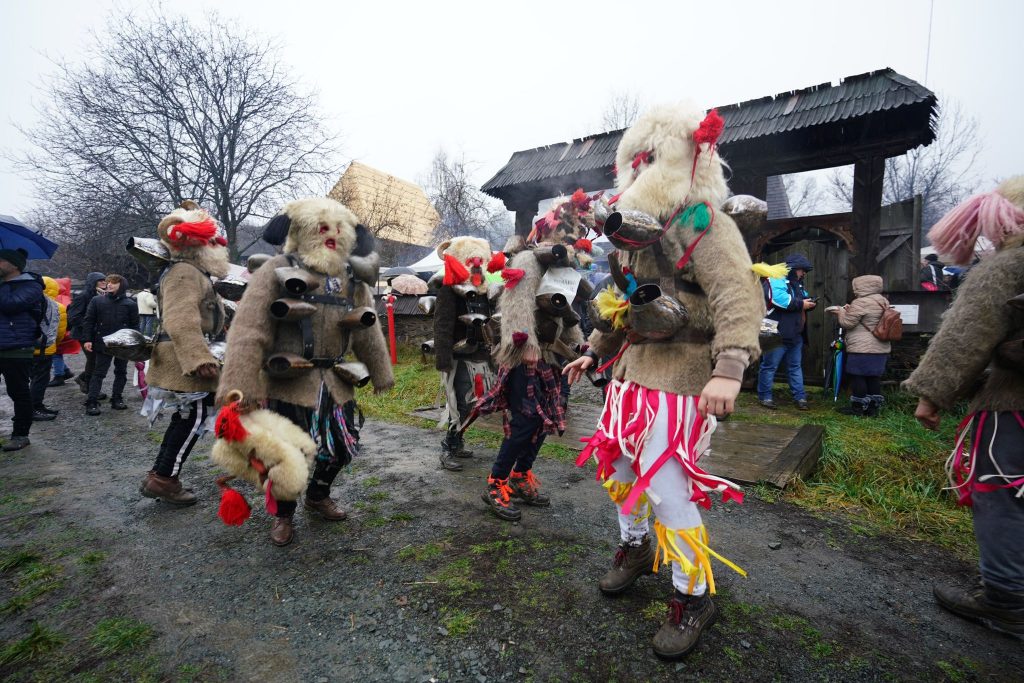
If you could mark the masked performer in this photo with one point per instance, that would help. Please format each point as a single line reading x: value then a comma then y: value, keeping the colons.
x: 182, y: 371
x: 978, y: 355
x: 462, y: 335
x: 682, y: 325
x: 302, y: 313
x: 539, y: 332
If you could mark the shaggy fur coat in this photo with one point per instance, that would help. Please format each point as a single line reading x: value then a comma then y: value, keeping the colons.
x: 449, y: 305
x: 731, y: 306
x: 954, y: 365
x: 862, y: 314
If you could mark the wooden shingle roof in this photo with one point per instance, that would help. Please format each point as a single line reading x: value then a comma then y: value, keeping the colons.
x: 877, y: 113
x: 395, y: 209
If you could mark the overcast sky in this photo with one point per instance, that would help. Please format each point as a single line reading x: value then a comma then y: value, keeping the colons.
x: 398, y: 80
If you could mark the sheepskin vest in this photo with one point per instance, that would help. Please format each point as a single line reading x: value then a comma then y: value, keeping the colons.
x: 255, y: 335
x: 724, y: 301
x: 190, y: 312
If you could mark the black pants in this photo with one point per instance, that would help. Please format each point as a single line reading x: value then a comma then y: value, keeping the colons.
x: 90, y: 365
x: 41, y: 367
x: 181, y: 435
x: 17, y: 373
x: 519, y: 449
x: 99, y: 373
x: 324, y: 473
x: 861, y: 385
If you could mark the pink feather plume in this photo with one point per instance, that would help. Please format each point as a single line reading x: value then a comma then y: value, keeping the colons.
x: 990, y: 215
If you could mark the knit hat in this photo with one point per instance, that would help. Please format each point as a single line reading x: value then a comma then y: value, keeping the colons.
x: 798, y: 262
x: 16, y: 257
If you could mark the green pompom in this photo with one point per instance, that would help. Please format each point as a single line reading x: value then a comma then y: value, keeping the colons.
x: 696, y: 214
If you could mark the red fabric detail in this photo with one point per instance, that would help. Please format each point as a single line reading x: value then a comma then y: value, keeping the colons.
x: 234, y: 508
x: 478, y: 385
x: 477, y: 278
x: 512, y: 276
x: 583, y: 244
x: 258, y: 465
x: 710, y: 129
x: 519, y: 338
x: 641, y: 158
x: 195, y: 234
x: 614, y: 198
x: 685, y: 258
x: 269, y: 501
x: 229, y: 425
x: 929, y: 287
x: 497, y: 262
x: 455, y: 273
x: 614, y: 358
x: 69, y: 346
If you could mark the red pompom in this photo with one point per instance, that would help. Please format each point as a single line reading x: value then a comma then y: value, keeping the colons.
x: 584, y: 244
x: 519, y: 338
x: 229, y: 425
x: 512, y: 276
x: 234, y: 508
x: 710, y: 129
x: 195, y: 234
x: 455, y: 273
x: 497, y: 262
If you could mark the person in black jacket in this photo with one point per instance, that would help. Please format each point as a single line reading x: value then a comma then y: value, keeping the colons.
x: 21, y: 302
x: 105, y: 315
x: 95, y: 283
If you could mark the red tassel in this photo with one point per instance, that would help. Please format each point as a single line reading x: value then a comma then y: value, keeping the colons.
x: 478, y: 385
x: 497, y: 262
x: 710, y: 129
x: 229, y: 425
x: 192, y: 234
x: 519, y: 338
x: 234, y: 508
x: 512, y: 276
x: 584, y: 244
x: 454, y: 272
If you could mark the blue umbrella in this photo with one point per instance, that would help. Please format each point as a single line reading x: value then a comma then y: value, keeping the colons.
x: 16, y: 235
x: 834, y: 371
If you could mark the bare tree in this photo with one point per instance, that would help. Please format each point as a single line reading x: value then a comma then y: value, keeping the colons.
x: 170, y: 109
x: 943, y: 173
x: 621, y: 111
x: 805, y: 197
x: 463, y: 208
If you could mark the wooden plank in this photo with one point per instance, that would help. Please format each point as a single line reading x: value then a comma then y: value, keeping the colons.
x: 891, y: 247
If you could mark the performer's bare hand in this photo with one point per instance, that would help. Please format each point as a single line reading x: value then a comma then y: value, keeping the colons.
x: 207, y: 371
x: 576, y: 368
x: 927, y: 414
x: 718, y: 397
x: 87, y: 346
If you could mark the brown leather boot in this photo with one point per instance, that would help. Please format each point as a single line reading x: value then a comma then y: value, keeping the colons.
x: 688, y: 616
x: 326, y: 508
x: 631, y: 562
x: 281, y: 531
x: 997, y: 609
x: 167, y: 489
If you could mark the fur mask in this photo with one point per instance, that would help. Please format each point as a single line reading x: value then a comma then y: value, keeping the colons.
x: 466, y: 258
x: 320, y: 231
x: 567, y: 223
x: 191, y: 234
x: 656, y: 166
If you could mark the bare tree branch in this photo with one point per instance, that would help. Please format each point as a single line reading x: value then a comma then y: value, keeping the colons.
x: 464, y: 209
x: 621, y: 111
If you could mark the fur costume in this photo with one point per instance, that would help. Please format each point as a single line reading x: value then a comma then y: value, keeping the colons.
x: 301, y: 315
x: 651, y: 436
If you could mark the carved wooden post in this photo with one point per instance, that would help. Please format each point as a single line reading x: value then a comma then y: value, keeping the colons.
x: 524, y: 220
x: 867, y: 213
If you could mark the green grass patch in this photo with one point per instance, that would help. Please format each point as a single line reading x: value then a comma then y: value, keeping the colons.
x: 421, y: 553
x: 39, y: 642
x: 13, y: 559
x: 372, y: 482
x: 92, y: 558
x: 457, y: 622
x: 378, y: 496
x: 455, y: 577
x: 120, y: 634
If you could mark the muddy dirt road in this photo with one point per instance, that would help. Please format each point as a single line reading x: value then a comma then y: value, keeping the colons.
x: 421, y: 583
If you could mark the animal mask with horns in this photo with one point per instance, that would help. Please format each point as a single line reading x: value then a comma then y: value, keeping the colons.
x: 320, y: 231
x: 566, y: 223
x: 192, y: 235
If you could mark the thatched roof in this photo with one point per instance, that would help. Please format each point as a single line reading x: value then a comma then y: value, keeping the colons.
x: 393, y: 208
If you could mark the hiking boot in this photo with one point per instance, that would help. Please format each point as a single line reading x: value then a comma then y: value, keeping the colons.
x: 688, y: 616
x: 16, y: 443
x: 167, y: 489
x: 326, y: 508
x: 460, y: 448
x: 117, y: 403
x: 875, y: 403
x: 281, y: 531
x: 498, y: 499
x: 767, y: 403
x: 67, y: 374
x: 92, y: 408
x: 526, y: 488
x: 83, y: 383
x: 858, y: 407
x: 630, y: 563
x: 447, y: 453
x: 46, y: 409
x: 56, y: 382
x: 801, y: 404
x: 40, y: 416
x: 997, y: 609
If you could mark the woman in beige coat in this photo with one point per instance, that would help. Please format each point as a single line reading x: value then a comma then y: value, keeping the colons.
x: 866, y: 355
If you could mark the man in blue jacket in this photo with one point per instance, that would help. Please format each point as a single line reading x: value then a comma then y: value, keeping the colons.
x: 21, y: 307
x: 787, y: 302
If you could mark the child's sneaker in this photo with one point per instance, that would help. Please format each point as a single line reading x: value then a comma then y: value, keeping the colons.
x: 526, y: 487
x: 498, y: 499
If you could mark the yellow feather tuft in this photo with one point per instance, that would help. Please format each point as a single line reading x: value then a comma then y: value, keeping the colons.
x: 773, y: 272
x: 612, y: 307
